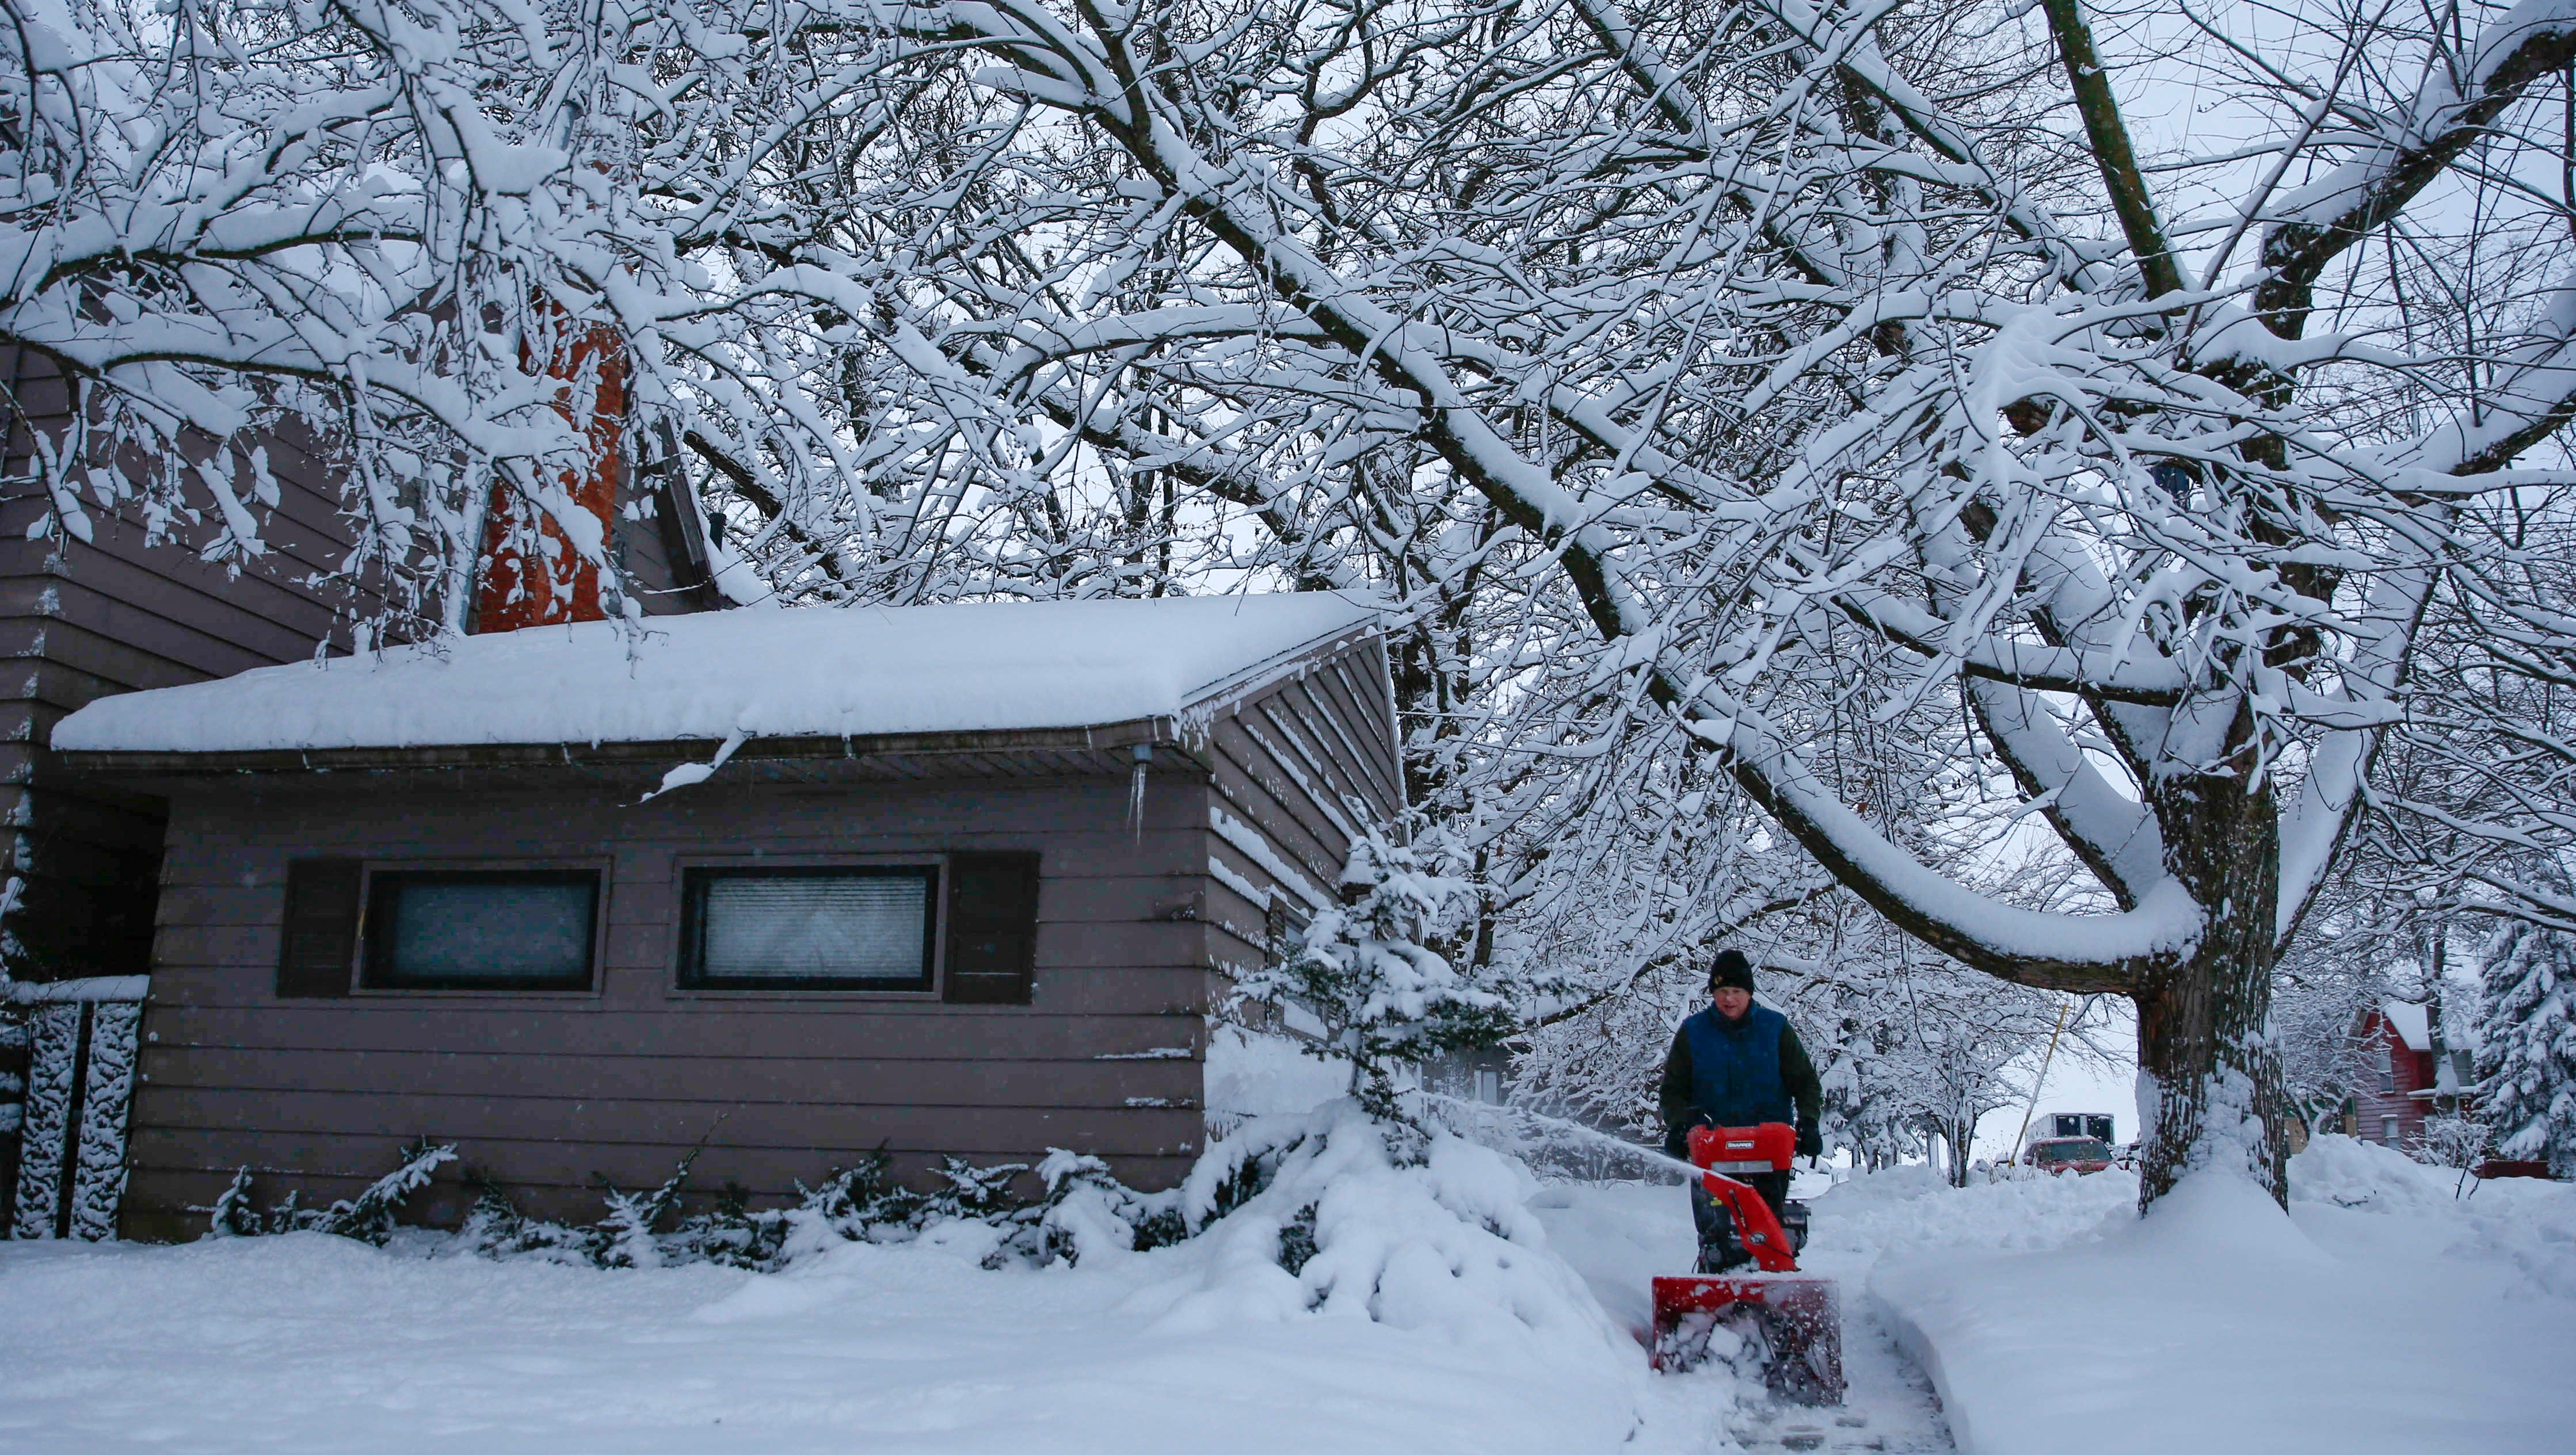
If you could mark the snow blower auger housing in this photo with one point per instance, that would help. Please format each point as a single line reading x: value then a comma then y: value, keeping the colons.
x: 1790, y: 1322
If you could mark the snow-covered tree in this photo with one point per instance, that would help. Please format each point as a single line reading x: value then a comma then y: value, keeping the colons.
x: 1695, y: 361
x: 1913, y: 1049
x: 2527, y: 1055
x: 1367, y: 970
x: 1782, y: 338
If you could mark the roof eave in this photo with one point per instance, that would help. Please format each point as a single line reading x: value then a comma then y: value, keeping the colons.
x: 1160, y: 732
x: 1277, y: 667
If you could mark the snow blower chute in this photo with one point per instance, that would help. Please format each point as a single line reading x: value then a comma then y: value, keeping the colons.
x: 1790, y: 1322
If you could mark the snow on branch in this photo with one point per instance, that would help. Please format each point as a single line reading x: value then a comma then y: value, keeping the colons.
x: 2462, y: 95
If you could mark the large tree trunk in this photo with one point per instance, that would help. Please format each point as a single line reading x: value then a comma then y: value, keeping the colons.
x: 2210, y: 1092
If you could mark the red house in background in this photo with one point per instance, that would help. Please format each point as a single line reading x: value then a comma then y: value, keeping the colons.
x: 2409, y: 1073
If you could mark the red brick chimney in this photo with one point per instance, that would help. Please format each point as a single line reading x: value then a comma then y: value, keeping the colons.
x: 557, y: 584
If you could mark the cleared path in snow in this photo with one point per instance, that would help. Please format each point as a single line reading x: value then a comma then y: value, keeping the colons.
x: 1620, y: 1235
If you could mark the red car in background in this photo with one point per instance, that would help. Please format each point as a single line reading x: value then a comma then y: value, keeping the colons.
x: 2054, y: 1155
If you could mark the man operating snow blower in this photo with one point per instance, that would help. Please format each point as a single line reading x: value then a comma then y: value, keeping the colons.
x: 1736, y: 1077
x: 1738, y: 1064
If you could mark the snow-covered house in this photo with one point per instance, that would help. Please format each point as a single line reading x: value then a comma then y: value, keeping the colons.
x: 788, y: 884
x: 99, y: 596
x: 2409, y: 1073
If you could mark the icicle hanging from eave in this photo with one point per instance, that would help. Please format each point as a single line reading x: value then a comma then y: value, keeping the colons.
x: 1144, y: 759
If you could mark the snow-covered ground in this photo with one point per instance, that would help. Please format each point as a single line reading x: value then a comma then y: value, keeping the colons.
x: 2059, y: 1323
x: 2383, y: 1313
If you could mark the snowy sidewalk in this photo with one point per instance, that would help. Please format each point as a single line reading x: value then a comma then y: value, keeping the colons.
x: 2380, y: 1316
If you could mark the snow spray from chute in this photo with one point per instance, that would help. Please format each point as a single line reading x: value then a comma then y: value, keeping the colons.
x: 1530, y: 1135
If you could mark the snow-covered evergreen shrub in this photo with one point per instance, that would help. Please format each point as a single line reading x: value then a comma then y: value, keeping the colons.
x: 1333, y: 1212
x: 2527, y: 1060
x: 1366, y: 969
x: 1082, y: 1212
x: 627, y: 1239
x: 233, y: 1214
x: 368, y: 1217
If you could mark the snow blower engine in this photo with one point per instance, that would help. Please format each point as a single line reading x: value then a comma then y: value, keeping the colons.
x: 1789, y: 1322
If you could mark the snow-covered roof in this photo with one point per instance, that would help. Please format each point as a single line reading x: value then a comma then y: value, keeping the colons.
x: 818, y: 672
x: 2410, y: 1022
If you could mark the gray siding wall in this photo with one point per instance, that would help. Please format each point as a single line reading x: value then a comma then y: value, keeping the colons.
x: 83, y: 619
x: 644, y: 547
x: 1302, y: 765
x: 547, y: 1094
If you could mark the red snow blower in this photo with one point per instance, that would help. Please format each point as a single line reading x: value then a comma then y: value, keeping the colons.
x: 1791, y: 1323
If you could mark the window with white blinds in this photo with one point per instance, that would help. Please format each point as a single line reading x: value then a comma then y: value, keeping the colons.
x: 855, y: 928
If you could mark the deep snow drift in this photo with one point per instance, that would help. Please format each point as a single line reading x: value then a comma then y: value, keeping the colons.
x: 1456, y: 1306
x: 2381, y: 1313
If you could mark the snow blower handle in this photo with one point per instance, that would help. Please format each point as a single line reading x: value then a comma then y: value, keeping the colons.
x: 1770, y: 1147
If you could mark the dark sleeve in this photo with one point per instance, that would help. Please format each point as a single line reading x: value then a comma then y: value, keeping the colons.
x: 1675, y: 1093
x: 1798, y: 1074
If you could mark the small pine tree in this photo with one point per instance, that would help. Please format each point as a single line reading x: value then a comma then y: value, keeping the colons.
x: 2527, y: 1062
x: 369, y: 1217
x: 1366, y: 970
x: 232, y: 1214
x: 1369, y: 972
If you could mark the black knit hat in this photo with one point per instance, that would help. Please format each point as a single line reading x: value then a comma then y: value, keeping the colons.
x: 1730, y: 968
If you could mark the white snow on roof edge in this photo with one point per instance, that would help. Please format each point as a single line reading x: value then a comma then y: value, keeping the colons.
x: 805, y: 672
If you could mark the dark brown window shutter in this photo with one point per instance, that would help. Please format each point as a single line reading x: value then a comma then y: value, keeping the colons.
x: 992, y: 929
x: 315, y: 954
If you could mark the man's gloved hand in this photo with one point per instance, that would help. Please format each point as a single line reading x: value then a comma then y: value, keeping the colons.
x: 1811, y: 1143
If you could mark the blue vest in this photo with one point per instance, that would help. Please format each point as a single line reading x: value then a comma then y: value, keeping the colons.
x: 1735, y: 1067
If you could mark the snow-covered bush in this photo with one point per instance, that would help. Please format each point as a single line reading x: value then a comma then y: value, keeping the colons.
x: 2454, y: 1142
x: 1342, y: 1214
x: 1366, y: 970
x: 2348, y: 1172
x: 368, y: 1217
x: 1082, y: 1211
x: 1332, y: 1213
x: 2527, y: 1060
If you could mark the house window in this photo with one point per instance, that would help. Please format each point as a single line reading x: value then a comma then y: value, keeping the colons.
x: 468, y: 929
x: 2387, y: 1070
x: 809, y: 928
x: 2388, y: 1131
x: 1284, y: 927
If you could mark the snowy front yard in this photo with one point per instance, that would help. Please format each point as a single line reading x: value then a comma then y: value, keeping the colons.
x: 2381, y: 1317
x: 307, y: 1342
